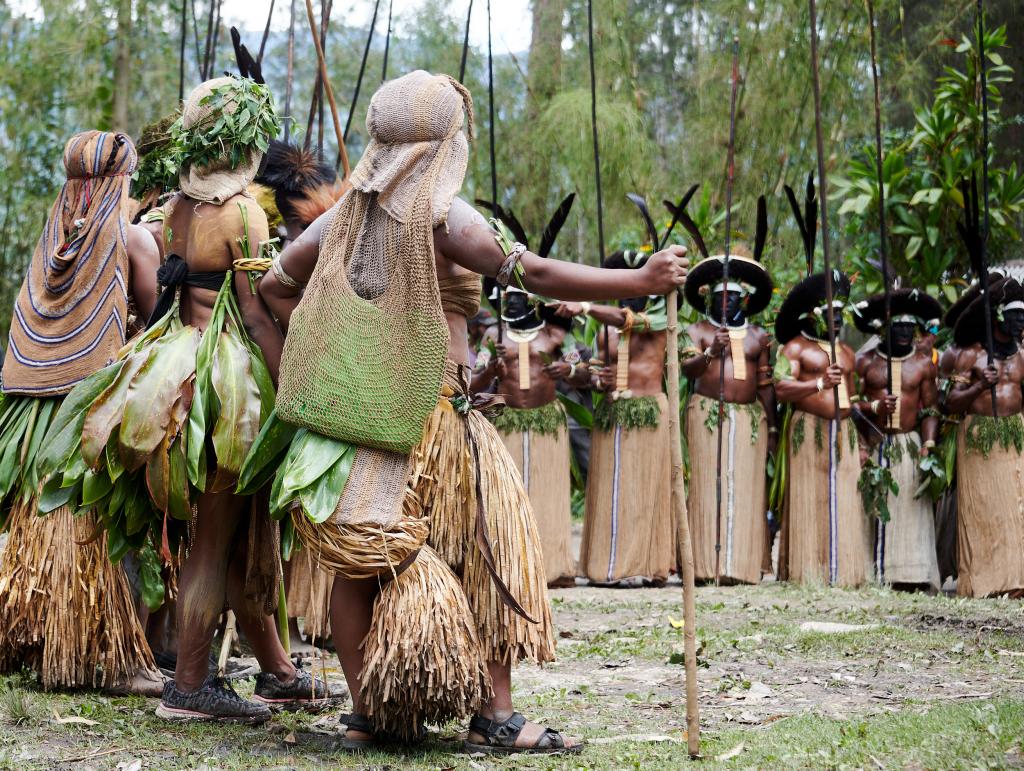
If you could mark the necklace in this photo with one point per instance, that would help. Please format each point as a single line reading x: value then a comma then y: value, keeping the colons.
x: 524, y: 335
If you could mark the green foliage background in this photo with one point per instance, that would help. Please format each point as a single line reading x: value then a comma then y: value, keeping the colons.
x: 663, y: 90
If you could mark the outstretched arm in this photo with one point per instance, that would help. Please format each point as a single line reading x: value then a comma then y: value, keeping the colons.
x: 469, y: 241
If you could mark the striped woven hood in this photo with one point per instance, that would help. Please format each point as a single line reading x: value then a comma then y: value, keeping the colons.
x: 69, y: 320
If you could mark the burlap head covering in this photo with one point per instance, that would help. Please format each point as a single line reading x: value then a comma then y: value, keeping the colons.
x: 413, y: 120
x: 69, y: 319
x: 215, y: 182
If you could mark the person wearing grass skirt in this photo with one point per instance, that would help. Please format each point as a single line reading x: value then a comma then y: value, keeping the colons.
x: 66, y: 610
x: 990, y: 442
x: 441, y: 587
x: 156, y: 440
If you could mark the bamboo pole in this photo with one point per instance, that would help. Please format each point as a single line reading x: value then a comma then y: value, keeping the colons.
x: 682, y: 530
x: 342, y: 152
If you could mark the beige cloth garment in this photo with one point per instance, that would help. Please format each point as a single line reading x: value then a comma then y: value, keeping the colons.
x: 990, y: 518
x: 543, y: 462
x: 825, y: 534
x: 309, y: 594
x: 844, y: 395
x: 629, y: 529
x: 744, y: 496
x: 905, y: 545
x: 216, y: 182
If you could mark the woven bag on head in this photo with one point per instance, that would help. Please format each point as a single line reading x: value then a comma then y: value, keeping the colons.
x: 367, y: 343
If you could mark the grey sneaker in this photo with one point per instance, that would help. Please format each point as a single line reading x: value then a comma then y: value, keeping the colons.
x: 214, y: 700
x: 304, y: 692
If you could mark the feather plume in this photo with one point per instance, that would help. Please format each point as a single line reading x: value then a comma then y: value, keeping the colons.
x: 652, y: 231
x: 291, y: 169
x: 248, y: 67
x: 507, y: 218
x: 811, y: 221
x: 674, y: 210
x: 547, y: 239
x: 694, y: 231
x: 761, y: 233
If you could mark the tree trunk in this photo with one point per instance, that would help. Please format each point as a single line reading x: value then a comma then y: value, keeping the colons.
x: 544, y: 79
x: 122, y: 65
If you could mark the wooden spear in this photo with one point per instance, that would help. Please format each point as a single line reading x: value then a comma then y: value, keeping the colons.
x: 682, y: 528
x: 730, y: 173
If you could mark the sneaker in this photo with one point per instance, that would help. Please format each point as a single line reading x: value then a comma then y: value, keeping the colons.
x: 304, y: 692
x: 214, y: 700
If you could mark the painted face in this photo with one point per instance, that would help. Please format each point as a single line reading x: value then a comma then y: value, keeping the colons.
x: 1012, y: 324
x: 902, y: 335
x: 517, y: 309
x: 734, y: 308
x: 817, y: 325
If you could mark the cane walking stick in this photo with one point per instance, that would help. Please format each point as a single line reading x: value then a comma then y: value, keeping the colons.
x: 682, y: 530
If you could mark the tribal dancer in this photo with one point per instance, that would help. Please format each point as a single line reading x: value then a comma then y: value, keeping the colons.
x: 65, y: 610
x: 750, y: 434
x: 990, y: 493
x: 906, y: 427
x: 825, y: 534
x: 304, y: 187
x: 533, y: 424
x: 183, y: 405
x: 628, y: 531
x: 391, y: 277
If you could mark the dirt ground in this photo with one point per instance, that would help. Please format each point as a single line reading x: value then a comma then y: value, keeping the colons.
x: 773, y: 692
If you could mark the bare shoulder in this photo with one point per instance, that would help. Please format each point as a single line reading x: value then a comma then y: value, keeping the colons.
x: 865, y: 360
x: 142, y: 244
x: 760, y: 334
x: 793, y: 349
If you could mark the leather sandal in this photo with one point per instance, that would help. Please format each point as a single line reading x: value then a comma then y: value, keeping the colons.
x: 501, y: 735
x: 354, y: 722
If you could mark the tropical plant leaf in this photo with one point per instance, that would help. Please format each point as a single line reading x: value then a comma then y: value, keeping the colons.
x: 320, y: 499
x: 151, y: 582
x: 271, y: 444
x: 65, y: 432
x: 96, y: 485
x: 153, y: 395
x: 179, y: 504
x: 158, y: 474
x: 105, y: 413
x: 577, y: 412
x: 53, y: 496
x: 238, y: 414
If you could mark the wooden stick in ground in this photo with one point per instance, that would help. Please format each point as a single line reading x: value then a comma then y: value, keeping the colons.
x: 682, y: 529
x: 330, y: 91
x: 226, y: 643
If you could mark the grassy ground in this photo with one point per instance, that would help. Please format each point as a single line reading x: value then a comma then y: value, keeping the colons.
x: 938, y: 683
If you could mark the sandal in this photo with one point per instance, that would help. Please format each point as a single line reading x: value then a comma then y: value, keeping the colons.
x: 354, y: 722
x: 500, y: 737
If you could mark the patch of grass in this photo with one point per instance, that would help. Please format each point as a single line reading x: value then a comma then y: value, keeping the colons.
x: 18, y: 706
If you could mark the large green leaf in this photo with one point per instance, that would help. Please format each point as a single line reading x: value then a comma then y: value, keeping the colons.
x: 96, y: 485
x: 158, y: 475
x: 314, y: 456
x: 105, y: 413
x: 238, y: 417
x: 151, y: 582
x: 320, y: 499
x: 261, y: 463
x: 65, y: 433
x: 178, y: 501
x: 577, y: 412
x: 153, y: 394
x: 53, y: 496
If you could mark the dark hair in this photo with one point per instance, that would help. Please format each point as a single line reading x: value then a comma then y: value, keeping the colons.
x: 293, y: 173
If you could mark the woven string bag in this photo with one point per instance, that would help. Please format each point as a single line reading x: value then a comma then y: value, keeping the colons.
x: 367, y: 344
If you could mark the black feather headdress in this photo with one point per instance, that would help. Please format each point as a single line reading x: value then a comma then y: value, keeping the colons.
x: 806, y: 222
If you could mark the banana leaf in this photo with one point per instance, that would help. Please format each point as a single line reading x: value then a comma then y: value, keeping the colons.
x: 264, y: 457
x: 65, y: 432
x: 105, y: 413
x: 320, y: 499
x: 153, y: 394
x: 53, y: 496
x: 178, y: 503
x: 238, y: 414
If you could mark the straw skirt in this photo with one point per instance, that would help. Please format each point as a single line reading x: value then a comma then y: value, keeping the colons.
x: 542, y: 460
x: 826, y: 536
x: 905, y: 545
x: 629, y: 530
x: 990, y: 517
x: 65, y: 610
x: 744, y: 526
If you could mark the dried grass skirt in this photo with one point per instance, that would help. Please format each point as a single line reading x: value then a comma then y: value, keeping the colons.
x: 990, y: 518
x: 543, y: 463
x: 65, y: 611
x: 744, y: 532
x: 905, y: 545
x: 309, y: 594
x: 826, y: 536
x: 629, y: 530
